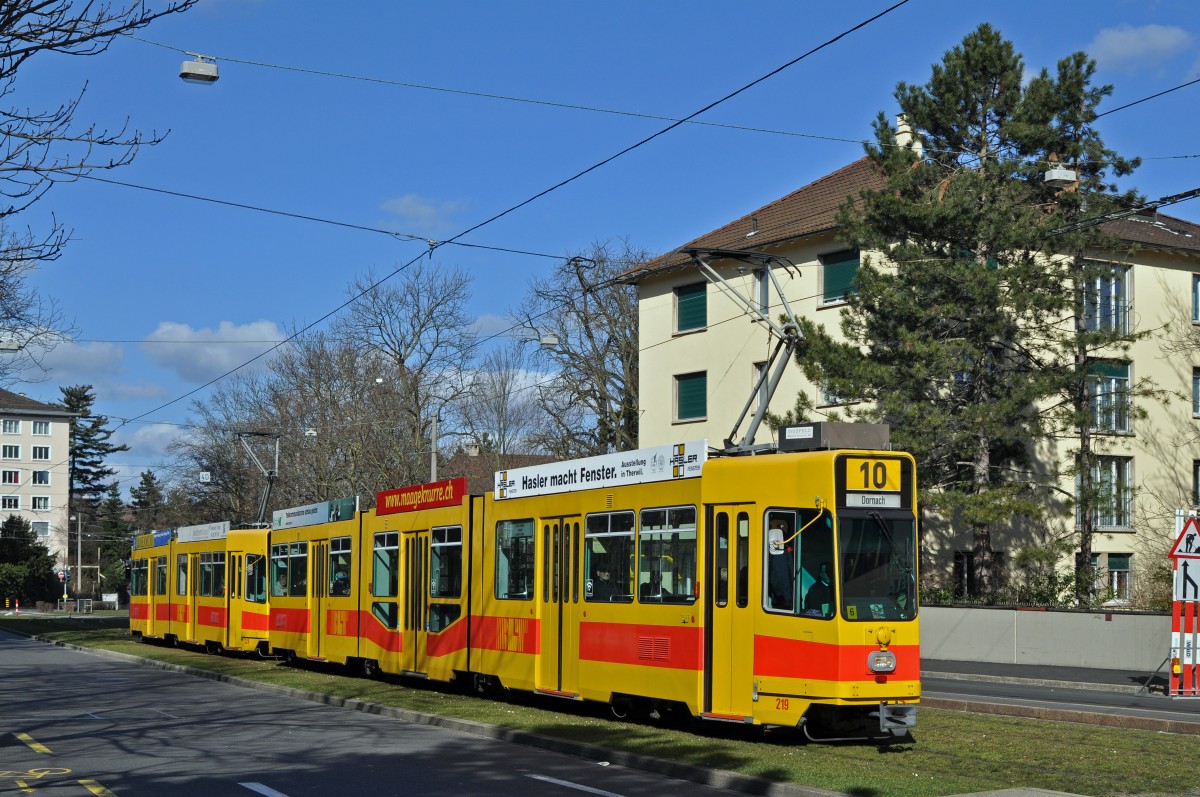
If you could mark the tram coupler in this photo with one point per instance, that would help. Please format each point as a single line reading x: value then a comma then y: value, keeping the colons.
x: 896, y: 718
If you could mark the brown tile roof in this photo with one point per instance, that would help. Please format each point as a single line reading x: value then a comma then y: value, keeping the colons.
x: 1157, y: 231
x: 805, y: 211
x: 15, y: 402
x: 811, y: 210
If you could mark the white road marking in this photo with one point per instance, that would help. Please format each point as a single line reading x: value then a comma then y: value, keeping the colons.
x: 266, y: 791
x: 577, y: 786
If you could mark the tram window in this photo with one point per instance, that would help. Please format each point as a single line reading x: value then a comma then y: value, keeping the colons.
x: 798, y: 542
x: 609, y: 558
x: 385, y: 568
x: 181, y: 574
x: 721, y: 565
x: 387, y: 613
x: 666, y: 570
x: 137, y: 577
x: 878, y: 568
x: 212, y: 574
x: 446, y: 550
x: 160, y: 576
x: 742, y: 553
x: 514, y: 559
x: 298, y: 570
x: 279, y: 570
x: 443, y: 615
x: 256, y: 578
x: 339, y: 566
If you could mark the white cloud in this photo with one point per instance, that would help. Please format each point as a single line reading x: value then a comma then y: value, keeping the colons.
x: 76, y: 363
x: 200, y: 355
x: 422, y: 216
x: 490, y: 324
x: 1129, y: 49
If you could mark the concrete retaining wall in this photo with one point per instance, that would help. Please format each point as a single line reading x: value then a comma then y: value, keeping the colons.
x: 1115, y: 641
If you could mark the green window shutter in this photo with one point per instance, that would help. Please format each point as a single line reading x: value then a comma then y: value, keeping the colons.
x: 840, y: 269
x: 691, y: 307
x: 691, y: 396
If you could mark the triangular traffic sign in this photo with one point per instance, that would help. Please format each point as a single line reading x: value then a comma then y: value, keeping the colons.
x: 1188, y: 544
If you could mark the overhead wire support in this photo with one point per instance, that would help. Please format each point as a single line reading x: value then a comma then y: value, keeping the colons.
x: 270, y: 475
x: 789, y: 335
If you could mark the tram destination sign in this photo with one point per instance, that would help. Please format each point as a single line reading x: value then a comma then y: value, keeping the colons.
x: 657, y: 464
x: 205, y: 531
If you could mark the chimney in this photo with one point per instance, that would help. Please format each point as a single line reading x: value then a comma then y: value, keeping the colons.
x: 905, y: 137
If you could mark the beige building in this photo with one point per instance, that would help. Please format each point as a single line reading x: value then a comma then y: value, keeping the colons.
x: 35, y: 444
x: 702, y: 352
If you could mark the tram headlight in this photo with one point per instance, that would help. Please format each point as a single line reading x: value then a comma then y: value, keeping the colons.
x: 881, y: 661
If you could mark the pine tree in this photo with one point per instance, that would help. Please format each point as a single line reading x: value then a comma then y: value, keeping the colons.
x: 148, y: 502
x: 90, y: 447
x: 114, y: 539
x: 26, y: 566
x: 958, y: 331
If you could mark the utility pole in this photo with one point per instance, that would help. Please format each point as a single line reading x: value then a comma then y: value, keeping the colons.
x: 433, y: 450
x: 78, y: 551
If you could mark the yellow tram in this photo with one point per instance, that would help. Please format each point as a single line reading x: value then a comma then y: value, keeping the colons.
x: 774, y: 589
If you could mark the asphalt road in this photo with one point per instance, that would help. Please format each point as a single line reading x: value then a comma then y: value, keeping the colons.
x: 79, y: 725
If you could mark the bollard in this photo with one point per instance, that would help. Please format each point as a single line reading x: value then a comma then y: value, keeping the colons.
x: 18, y: 607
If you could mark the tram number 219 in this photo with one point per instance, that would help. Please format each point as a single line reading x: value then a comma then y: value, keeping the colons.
x: 873, y: 474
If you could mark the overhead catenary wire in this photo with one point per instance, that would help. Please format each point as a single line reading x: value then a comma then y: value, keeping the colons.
x: 538, y: 195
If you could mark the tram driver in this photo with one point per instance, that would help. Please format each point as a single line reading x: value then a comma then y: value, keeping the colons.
x: 602, y: 588
x: 819, y: 598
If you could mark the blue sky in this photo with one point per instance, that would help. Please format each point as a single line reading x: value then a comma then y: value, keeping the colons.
x: 281, y: 131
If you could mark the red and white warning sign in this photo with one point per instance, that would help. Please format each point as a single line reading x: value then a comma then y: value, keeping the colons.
x: 1185, y: 612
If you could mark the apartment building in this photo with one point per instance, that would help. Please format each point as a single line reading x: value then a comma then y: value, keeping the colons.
x: 702, y: 353
x: 35, y: 444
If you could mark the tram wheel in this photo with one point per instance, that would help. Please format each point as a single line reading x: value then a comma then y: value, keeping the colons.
x: 368, y: 667
x: 621, y: 708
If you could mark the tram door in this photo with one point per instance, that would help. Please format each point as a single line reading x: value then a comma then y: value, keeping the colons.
x: 191, y: 578
x: 558, y: 658
x: 729, y: 643
x: 233, y: 601
x: 153, y: 596
x: 318, y: 585
x: 414, y: 563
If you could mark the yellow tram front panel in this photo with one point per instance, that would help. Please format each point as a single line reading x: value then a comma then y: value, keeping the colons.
x: 829, y: 611
x: 149, y: 599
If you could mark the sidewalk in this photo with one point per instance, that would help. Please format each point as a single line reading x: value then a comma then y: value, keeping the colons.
x: 1093, y: 678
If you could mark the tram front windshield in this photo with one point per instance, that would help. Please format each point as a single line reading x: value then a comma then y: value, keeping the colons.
x: 878, y: 567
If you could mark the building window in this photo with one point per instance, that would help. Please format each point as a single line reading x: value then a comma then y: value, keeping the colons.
x: 1106, y: 299
x: 762, y: 380
x: 1196, y: 392
x: 1196, y: 482
x: 691, y: 396
x: 39, y: 503
x: 1196, y: 298
x: 691, y: 307
x: 838, y: 271
x: 41, y: 528
x: 10, y: 477
x: 1109, y: 402
x: 11, y: 427
x: 10, y: 502
x: 1112, y: 575
x: 1111, y: 483
x: 41, y: 478
x: 41, y: 452
x: 41, y: 428
x: 10, y: 452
